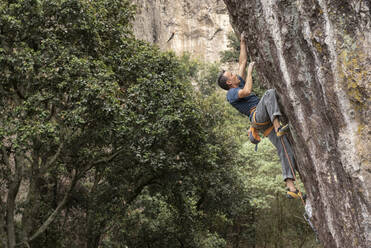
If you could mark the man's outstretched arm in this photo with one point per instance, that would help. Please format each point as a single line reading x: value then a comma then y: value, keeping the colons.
x: 243, y: 57
x: 248, y: 85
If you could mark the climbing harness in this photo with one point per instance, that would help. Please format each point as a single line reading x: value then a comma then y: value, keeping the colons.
x: 308, y: 208
x: 256, y: 126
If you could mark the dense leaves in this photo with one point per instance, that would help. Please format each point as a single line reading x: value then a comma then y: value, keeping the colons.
x: 233, y: 53
x: 98, y: 128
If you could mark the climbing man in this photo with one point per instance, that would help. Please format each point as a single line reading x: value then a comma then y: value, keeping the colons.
x: 264, y: 115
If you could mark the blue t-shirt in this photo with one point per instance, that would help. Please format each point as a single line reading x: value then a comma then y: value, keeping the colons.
x: 242, y: 104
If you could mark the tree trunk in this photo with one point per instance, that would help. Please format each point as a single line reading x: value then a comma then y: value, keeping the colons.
x: 10, y: 201
x: 32, y: 204
x: 317, y: 55
x: 10, y: 207
x: 3, y: 235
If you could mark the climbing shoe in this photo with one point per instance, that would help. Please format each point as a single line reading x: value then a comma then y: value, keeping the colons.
x: 282, y: 130
x: 296, y: 195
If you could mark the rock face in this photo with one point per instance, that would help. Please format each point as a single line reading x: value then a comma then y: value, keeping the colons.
x: 198, y: 27
x: 317, y: 54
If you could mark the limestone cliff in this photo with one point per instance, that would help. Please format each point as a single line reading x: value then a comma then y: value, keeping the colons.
x: 199, y: 27
x: 317, y: 54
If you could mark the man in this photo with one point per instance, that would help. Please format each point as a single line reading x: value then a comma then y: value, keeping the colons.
x: 263, y: 112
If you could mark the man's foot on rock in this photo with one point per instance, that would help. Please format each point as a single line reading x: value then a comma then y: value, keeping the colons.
x: 296, y: 195
x: 282, y: 130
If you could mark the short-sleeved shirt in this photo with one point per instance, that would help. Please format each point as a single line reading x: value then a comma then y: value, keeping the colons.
x: 242, y: 104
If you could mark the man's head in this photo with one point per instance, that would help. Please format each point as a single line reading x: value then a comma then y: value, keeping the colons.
x: 227, y: 80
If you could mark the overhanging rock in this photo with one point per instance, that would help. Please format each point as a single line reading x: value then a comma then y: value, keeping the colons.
x: 317, y: 54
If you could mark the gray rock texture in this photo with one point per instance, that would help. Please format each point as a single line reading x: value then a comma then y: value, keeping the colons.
x: 198, y: 27
x: 317, y: 54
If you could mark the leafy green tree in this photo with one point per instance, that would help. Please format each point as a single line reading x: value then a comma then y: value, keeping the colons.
x: 60, y: 94
x: 98, y: 129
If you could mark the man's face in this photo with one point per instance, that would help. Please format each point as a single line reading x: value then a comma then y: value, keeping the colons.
x: 233, y: 80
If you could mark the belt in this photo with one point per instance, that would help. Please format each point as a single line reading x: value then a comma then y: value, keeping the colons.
x: 252, y: 110
x: 255, y: 124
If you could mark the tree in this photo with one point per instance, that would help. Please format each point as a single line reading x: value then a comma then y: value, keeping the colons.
x: 96, y: 125
x: 61, y: 108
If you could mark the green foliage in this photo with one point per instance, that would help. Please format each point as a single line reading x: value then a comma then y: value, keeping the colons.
x: 207, y: 77
x: 233, y: 53
x: 264, y: 172
x: 279, y: 221
x: 61, y: 95
x: 82, y: 100
x: 190, y: 67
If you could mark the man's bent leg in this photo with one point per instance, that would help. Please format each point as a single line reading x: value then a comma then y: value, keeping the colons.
x: 288, y: 164
x: 268, y: 108
x: 285, y: 153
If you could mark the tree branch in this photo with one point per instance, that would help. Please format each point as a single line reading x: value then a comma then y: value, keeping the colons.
x: 51, y: 218
x: 103, y: 160
x: 12, y: 194
x: 54, y: 158
x: 5, y: 156
x: 6, y: 166
x: 2, y: 90
x: 27, y: 157
x: 139, y: 189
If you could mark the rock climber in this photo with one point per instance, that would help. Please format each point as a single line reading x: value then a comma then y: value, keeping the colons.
x: 263, y: 113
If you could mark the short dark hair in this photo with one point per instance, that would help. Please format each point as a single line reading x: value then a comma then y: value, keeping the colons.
x: 222, y: 80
